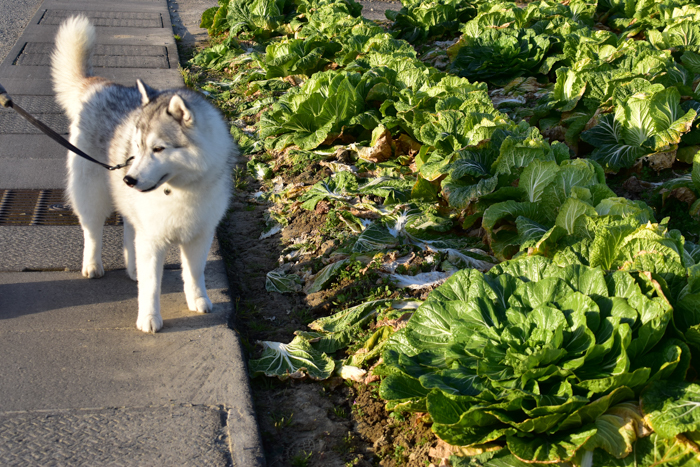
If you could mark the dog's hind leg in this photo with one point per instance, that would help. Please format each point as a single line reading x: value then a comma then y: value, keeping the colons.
x: 150, y: 257
x: 89, y: 197
x: 194, y: 260
x: 129, y: 250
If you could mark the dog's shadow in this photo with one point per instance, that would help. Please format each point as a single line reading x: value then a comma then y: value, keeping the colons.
x: 67, y: 301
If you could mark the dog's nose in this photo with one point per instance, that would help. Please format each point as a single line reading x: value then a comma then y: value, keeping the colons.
x: 131, y: 181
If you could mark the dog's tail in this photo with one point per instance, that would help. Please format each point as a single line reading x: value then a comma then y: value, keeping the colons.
x: 71, y: 62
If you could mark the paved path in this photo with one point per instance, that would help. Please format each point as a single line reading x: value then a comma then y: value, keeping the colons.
x: 15, y: 16
x: 80, y: 385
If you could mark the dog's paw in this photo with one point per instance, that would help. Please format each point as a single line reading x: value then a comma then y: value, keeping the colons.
x: 149, y: 323
x: 200, y: 305
x: 93, y: 270
x: 131, y: 271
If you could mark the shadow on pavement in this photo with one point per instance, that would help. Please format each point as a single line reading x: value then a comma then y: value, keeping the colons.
x: 61, y: 300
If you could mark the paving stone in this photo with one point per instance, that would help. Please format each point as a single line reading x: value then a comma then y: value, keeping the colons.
x: 68, y: 343
x: 121, y: 19
x: 13, y: 123
x: 33, y: 104
x: 172, y: 435
x: 93, y: 2
x: 59, y: 248
x: 105, y: 56
x: 101, y: 61
x: 101, y: 49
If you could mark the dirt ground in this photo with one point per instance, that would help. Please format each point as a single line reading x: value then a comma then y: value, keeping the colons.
x: 305, y: 423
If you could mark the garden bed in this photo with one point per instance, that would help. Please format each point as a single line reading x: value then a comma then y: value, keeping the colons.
x: 466, y: 234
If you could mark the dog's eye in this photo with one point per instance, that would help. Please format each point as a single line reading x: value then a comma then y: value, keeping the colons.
x: 158, y: 149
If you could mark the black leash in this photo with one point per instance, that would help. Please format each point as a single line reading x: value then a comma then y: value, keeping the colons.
x: 6, y: 101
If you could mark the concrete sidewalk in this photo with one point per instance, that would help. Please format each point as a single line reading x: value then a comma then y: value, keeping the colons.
x: 80, y: 385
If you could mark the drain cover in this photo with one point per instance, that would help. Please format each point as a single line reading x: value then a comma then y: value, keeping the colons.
x: 39, y: 207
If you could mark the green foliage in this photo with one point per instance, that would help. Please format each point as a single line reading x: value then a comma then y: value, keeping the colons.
x: 216, y: 57
x: 420, y: 21
x: 296, y: 359
x: 337, y: 188
x: 494, y: 53
x: 261, y: 17
x: 649, y: 121
x: 546, y: 355
x: 532, y: 347
x: 317, y: 111
x: 298, y: 57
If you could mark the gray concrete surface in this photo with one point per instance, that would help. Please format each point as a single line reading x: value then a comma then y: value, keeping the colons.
x: 128, y: 436
x: 59, y: 248
x: 186, y: 16
x: 82, y: 386
x: 14, y: 18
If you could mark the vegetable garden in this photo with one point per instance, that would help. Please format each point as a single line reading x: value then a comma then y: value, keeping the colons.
x: 509, y: 206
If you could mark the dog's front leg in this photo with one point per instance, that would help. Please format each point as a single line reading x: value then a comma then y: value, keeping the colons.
x: 129, y: 252
x: 150, y: 257
x: 194, y: 260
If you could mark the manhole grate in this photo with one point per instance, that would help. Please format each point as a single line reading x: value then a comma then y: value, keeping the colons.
x: 39, y: 207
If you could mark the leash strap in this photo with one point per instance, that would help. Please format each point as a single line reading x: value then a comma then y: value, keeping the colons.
x: 6, y: 101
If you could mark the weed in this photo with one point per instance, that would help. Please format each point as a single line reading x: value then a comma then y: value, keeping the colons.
x: 346, y: 445
x: 339, y: 412
x: 259, y: 326
x: 332, y: 226
x: 359, y: 413
x: 240, y: 178
x: 177, y: 37
x: 303, y: 315
x: 190, y: 77
x: 301, y: 459
x: 382, y: 291
x: 247, y: 345
x: 399, y: 453
x: 247, y: 311
x: 397, y: 416
x: 280, y: 420
x: 266, y: 383
x: 352, y: 272
x: 374, y: 390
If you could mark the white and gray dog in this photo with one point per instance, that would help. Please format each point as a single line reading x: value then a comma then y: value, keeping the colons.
x: 176, y: 189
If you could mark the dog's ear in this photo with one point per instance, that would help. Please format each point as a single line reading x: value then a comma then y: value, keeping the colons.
x: 147, y: 92
x: 179, y: 111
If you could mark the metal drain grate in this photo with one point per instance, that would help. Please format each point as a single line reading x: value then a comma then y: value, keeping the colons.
x: 39, y: 207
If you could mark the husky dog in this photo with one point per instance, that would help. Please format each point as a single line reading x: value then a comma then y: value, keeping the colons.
x: 177, y: 187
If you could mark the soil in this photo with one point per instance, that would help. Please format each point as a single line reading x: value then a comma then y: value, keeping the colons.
x: 330, y: 423
x: 306, y: 222
x: 398, y: 441
x: 312, y: 174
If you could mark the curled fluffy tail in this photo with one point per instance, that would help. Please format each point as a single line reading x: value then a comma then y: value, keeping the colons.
x: 70, y: 62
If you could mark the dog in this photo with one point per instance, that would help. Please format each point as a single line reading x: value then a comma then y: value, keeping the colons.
x: 177, y: 187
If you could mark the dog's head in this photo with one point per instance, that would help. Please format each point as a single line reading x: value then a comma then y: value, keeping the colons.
x: 164, y: 146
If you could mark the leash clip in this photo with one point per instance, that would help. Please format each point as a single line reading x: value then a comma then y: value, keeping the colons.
x: 120, y: 166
